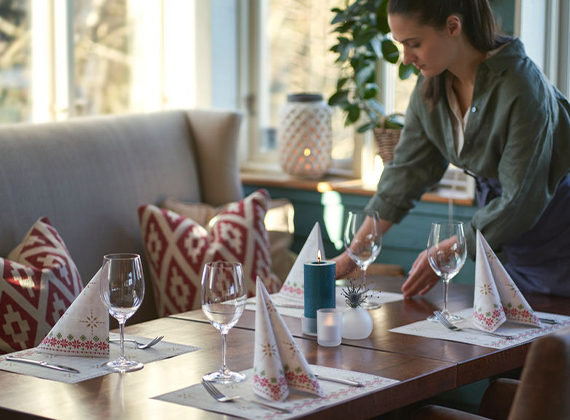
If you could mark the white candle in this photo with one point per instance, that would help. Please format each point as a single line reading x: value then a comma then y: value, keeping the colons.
x: 329, y: 324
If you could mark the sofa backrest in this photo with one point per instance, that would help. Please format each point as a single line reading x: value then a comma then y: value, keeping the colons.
x: 88, y: 176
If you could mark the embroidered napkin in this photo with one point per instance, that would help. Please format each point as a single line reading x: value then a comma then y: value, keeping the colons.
x: 497, y: 298
x: 278, y: 363
x: 294, y: 285
x: 83, y: 330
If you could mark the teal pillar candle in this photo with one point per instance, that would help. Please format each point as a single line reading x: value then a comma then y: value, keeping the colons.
x: 319, y: 292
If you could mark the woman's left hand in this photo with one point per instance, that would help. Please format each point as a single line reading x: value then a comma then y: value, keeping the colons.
x: 421, y: 277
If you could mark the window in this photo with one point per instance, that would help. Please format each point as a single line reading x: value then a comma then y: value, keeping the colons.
x: 68, y: 58
x: 289, y: 49
x: 15, y: 61
x: 543, y: 26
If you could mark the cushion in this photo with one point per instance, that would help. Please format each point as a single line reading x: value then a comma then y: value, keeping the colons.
x: 39, y: 282
x: 177, y: 248
x: 278, y: 223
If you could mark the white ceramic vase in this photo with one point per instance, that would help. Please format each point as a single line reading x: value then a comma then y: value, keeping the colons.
x: 356, y: 323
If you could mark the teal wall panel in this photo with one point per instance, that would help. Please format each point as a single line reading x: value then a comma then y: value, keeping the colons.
x: 401, y: 244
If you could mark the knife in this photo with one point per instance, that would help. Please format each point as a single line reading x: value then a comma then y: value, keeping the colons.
x: 42, y: 363
x: 549, y: 321
x: 339, y: 380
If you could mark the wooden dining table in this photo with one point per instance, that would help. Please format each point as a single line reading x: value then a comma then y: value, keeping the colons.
x: 424, y: 366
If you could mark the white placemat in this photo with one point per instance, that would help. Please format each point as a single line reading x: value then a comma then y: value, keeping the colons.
x: 90, y: 367
x: 299, y: 404
x: 520, y: 332
x: 295, y: 308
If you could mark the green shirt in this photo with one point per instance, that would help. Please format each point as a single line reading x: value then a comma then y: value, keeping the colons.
x: 518, y: 132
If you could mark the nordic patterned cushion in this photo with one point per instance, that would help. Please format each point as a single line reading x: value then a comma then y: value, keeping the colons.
x: 177, y: 248
x: 39, y: 282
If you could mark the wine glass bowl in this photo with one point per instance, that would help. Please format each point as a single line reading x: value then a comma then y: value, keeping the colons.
x: 122, y: 291
x: 446, y: 251
x: 362, y: 240
x: 223, y: 296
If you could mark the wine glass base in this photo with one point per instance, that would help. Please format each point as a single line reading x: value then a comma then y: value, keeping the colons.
x: 450, y: 317
x: 123, y: 365
x: 370, y: 305
x: 224, y: 377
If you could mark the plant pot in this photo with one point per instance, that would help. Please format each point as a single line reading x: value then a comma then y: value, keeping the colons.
x: 387, y: 140
x: 356, y: 323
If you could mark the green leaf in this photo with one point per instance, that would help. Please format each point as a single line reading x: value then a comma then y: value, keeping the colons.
x: 382, y: 22
x: 376, y: 106
x: 338, y: 98
x: 376, y: 46
x: 405, y: 70
x: 343, y: 49
x: 364, y: 75
x: 365, y: 127
x: 370, y: 90
x: 341, y: 82
x: 390, y: 51
x: 364, y: 38
x: 354, y: 113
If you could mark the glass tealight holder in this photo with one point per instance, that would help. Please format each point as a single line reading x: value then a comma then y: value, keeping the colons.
x: 329, y: 327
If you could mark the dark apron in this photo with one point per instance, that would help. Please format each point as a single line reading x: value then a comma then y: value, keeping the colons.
x: 538, y: 260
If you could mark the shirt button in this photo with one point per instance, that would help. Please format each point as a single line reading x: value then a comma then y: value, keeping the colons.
x: 474, y: 110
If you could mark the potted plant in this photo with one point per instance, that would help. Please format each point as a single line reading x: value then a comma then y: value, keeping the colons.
x: 362, y: 41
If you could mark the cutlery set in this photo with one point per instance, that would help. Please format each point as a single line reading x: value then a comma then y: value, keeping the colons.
x: 220, y: 397
x: 62, y: 368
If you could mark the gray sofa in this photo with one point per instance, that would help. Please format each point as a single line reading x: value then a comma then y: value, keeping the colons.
x: 90, y: 175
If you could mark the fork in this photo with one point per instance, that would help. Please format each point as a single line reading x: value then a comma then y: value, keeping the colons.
x: 218, y: 396
x: 445, y: 322
x: 140, y: 346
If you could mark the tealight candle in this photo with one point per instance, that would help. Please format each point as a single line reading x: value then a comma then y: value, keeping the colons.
x: 319, y: 291
x: 329, y: 327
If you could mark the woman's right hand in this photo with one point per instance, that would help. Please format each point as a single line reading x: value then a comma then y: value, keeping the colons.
x: 344, y: 265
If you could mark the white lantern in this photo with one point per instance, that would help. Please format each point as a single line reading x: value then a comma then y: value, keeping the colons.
x: 305, y: 136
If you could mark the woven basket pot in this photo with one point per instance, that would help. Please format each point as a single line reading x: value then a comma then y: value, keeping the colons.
x: 387, y: 140
x: 305, y: 136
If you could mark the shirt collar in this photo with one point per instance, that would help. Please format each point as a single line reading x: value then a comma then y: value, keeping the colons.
x: 503, y: 59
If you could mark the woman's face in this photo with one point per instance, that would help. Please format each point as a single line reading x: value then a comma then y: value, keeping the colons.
x: 431, y: 50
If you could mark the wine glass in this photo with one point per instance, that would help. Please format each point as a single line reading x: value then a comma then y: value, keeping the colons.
x: 223, y: 295
x: 122, y: 292
x: 363, y: 241
x: 446, y: 251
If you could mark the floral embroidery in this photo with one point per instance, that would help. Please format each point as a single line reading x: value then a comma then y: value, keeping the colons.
x: 485, y: 289
x: 79, y: 346
x: 297, y: 291
x: 92, y: 322
x: 269, y: 350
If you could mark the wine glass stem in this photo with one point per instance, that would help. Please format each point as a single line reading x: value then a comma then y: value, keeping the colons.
x: 224, y: 367
x: 445, y: 292
x: 122, y: 339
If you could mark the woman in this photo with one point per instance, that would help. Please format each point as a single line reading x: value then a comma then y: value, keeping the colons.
x: 484, y: 106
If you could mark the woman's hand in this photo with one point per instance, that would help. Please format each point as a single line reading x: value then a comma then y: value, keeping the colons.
x: 344, y: 265
x: 421, y: 277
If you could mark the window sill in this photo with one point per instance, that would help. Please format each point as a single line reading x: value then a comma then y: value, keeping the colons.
x: 332, y: 183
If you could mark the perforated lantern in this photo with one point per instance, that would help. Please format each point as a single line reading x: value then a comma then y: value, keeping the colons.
x: 305, y: 136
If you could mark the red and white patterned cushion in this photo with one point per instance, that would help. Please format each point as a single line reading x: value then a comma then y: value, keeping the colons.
x: 177, y: 248
x: 39, y: 282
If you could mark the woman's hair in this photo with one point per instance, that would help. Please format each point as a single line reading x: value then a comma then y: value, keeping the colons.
x: 477, y: 21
